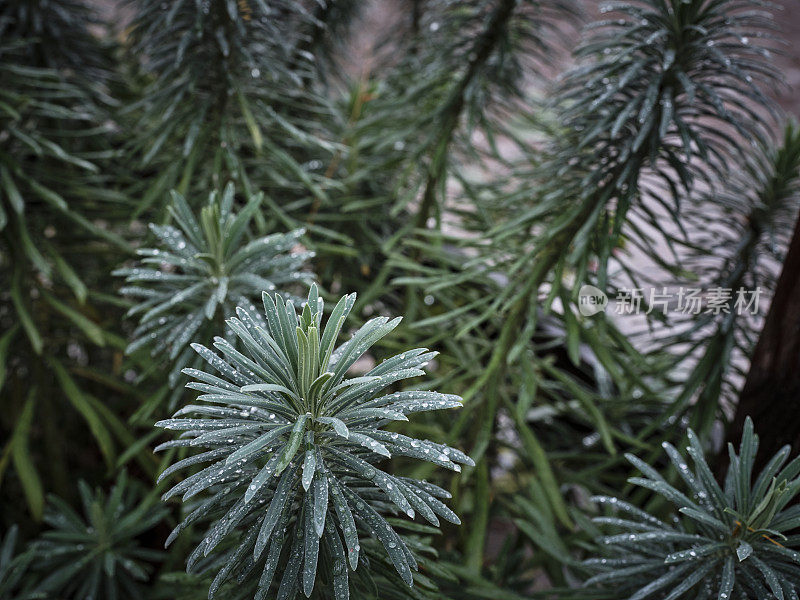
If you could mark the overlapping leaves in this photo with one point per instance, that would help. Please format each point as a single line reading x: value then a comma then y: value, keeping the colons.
x: 725, y: 542
x: 224, y: 85
x: 13, y: 568
x: 58, y: 222
x: 39, y: 116
x: 200, y: 271
x: 96, y: 554
x: 690, y: 69
x: 293, y: 444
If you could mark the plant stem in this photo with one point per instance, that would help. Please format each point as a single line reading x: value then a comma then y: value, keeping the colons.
x: 454, y: 105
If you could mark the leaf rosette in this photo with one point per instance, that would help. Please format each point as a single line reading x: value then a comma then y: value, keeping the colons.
x: 200, y: 271
x: 729, y: 542
x: 294, y: 442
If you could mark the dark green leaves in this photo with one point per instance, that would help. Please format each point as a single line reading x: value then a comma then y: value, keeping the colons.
x: 13, y: 568
x: 735, y: 535
x: 226, y: 96
x: 201, y: 270
x: 96, y: 553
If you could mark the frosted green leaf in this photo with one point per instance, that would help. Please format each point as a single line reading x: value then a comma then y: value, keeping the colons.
x: 394, y: 546
x: 333, y: 544
x: 320, y: 505
x: 338, y: 425
x: 309, y: 466
x: 743, y: 550
x: 346, y: 523
x: 310, y: 551
x: 276, y: 506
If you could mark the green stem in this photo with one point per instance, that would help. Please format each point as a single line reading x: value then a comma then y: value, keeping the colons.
x: 454, y: 105
x: 451, y: 113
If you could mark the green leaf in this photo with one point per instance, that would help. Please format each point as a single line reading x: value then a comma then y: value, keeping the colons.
x: 282, y: 495
x: 5, y: 345
x: 82, y: 404
x: 295, y: 439
x: 23, y: 462
x: 743, y: 550
x: 92, y: 331
x: 252, y: 125
x: 727, y: 580
x: 538, y: 457
x: 25, y: 318
x: 70, y: 277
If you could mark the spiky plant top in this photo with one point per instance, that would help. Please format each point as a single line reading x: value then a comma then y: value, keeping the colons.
x: 96, y: 554
x: 200, y: 271
x: 726, y: 543
x: 293, y: 445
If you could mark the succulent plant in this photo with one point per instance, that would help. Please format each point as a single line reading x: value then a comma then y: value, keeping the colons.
x: 293, y: 444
